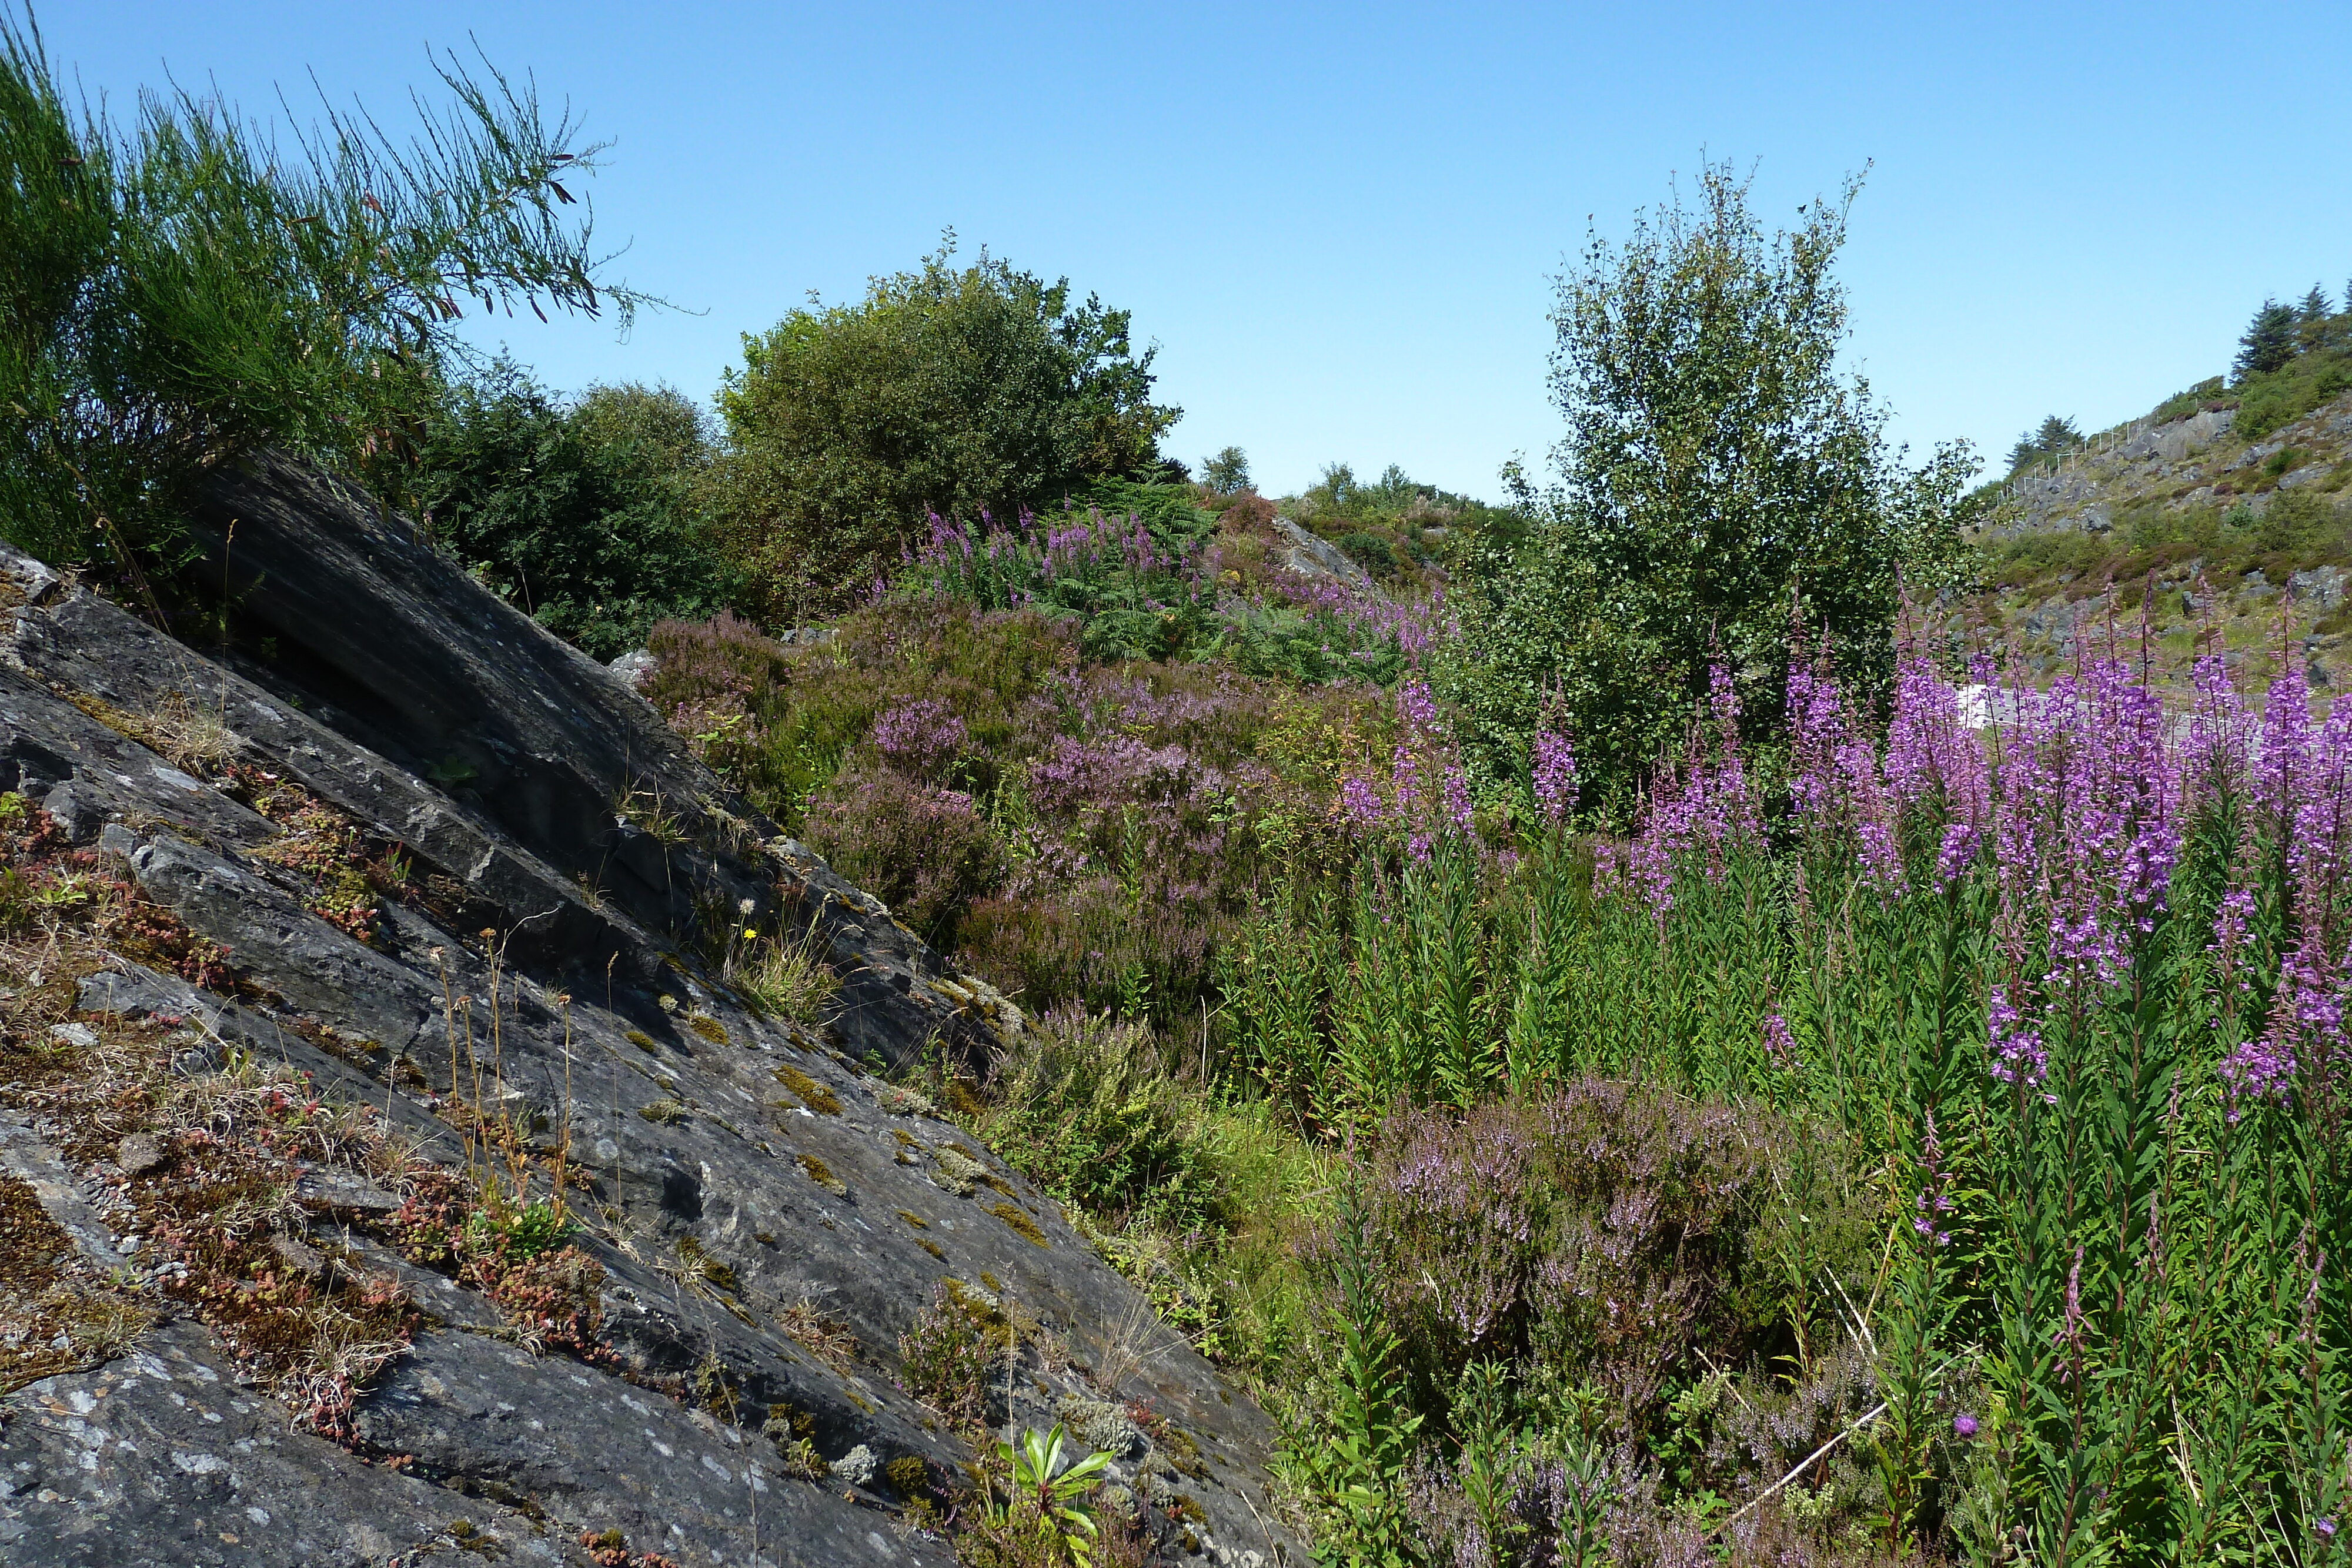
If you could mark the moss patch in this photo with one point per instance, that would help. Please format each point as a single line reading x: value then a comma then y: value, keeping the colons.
x: 812, y: 1094
x: 1020, y: 1223
x: 963, y: 1102
x: 822, y: 1174
x: 917, y: 1220
x: 641, y: 1040
x: 703, y: 1265
x: 933, y: 1247
x: 1182, y: 1452
x: 708, y: 1027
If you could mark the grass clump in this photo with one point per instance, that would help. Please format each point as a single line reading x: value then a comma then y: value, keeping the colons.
x: 785, y: 979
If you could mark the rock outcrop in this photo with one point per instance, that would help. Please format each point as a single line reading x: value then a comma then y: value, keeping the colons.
x: 769, y: 1213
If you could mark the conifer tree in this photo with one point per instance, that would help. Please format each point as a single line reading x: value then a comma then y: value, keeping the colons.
x: 2268, y: 342
x: 2315, y: 320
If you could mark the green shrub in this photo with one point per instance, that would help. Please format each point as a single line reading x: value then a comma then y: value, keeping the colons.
x: 1088, y: 1108
x: 1718, y: 470
x: 946, y: 390
x: 586, y: 516
x: 1369, y: 550
x: 2281, y: 396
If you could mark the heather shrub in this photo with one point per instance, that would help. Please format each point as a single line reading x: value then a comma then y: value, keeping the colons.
x: 1081, y: 832
x: 923, y: 851
x: 1601, y: 1231
x: 1159, y: 588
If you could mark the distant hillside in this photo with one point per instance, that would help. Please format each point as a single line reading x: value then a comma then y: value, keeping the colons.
x: 2231, y: 498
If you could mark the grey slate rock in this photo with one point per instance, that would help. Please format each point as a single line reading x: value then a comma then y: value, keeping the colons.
x: 396, y: 663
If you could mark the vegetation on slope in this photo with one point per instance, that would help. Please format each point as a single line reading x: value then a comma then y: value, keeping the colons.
x: 1896, y: 1140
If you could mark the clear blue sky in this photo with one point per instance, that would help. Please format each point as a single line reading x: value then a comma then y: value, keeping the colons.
x: 1339, y: 223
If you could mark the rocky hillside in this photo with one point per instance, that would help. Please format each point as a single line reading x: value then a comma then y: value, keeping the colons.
x: 2244, y: 538
x: 436, y: 1115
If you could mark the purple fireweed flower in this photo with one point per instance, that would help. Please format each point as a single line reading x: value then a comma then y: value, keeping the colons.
x: 2018, y: 1056
x: 1835, y: 781
x: 1778, y: 1044
x: 1935, y: 768
x: 1361, y: 806
x: 1956, y: 855
x: 1555, y: 775
x: 1457, y: 800
x: 1698, y: 814
x: 1934, y: 1200
x: 2230, y: 979
x: 2217, y: 758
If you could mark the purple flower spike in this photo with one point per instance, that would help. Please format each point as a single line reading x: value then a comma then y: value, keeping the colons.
x: 1555, y: 775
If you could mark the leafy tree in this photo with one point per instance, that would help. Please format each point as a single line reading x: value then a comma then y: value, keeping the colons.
x: 1718, y: 475
x: 2269, y: 342
x: 179, y: 290
x: 945, y: 389
x: 1226, y: 471
x: 588, y: 516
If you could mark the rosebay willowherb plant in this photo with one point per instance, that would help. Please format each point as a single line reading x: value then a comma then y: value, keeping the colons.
x: 2059, y: 975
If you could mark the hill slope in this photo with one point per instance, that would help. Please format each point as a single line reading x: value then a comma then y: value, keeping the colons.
x: 2240, y: 524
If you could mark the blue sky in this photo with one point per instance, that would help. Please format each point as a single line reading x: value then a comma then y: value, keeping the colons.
x: 1341, y: 223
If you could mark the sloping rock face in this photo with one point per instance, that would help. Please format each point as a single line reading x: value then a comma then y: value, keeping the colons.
x: 1313, y: 556
x: 744, y: 1178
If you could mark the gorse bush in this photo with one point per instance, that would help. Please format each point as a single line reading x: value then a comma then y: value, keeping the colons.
x: 179, y: 290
